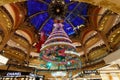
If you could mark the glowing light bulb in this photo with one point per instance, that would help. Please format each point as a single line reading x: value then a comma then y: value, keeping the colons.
x: 49, y: 65
x: 68, y: 63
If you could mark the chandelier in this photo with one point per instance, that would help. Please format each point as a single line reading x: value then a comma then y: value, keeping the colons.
x: 58, y: 51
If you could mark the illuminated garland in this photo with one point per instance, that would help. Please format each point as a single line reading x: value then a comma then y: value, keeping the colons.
x: 58, y: 50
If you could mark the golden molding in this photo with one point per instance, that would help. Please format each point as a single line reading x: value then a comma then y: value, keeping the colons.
x: 97, y: 54
x: 109, y: 4
x: 2, y: 2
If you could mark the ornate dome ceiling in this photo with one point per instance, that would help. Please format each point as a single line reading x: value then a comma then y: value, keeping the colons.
x: 42, y: 14
x: 93, y: 30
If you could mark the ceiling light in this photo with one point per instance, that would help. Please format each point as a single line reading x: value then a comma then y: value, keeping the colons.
x: 48, y: 65
x: 58, y: 73
x: 3, y: 60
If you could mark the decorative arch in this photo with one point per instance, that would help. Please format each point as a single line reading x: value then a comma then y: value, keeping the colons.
x: 109, y: 4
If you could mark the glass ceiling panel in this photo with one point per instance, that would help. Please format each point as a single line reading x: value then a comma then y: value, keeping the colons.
x: 77, y: 21
x: 68, y: 28
x: 36, y: 6
x: 72, y: 6
x: 48, y: 27
x: 75, y: 9
x: 83, y: 8
x: 67, y: 1
x: 48, y: 1
x: 38, y: 20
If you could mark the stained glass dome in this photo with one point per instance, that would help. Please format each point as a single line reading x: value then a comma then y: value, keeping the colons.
x: 38, y: 12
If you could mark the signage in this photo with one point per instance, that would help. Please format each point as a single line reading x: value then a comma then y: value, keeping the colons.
x: 3, y: 60
x: 13, y: 74
x: 33, y: 75
x: 90, y: 72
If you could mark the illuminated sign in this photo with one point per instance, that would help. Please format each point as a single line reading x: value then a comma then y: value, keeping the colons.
x: 33, y: 75
x: 13, y: 74
x: 90, y: 72
x: 3, y: 60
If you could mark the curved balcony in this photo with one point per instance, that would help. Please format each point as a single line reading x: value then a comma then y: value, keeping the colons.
x: 114, y: 36
x: 14, y: 54
x: 21, y: 41
x: 108, y: 19
x: 5, y: 27
x: 97, y: 52
x: 8, y: 15
x: 28, y: 32
x: 99, y: 43
x: 17, y: 13
x: 92, y: 41
x: 89, y: 35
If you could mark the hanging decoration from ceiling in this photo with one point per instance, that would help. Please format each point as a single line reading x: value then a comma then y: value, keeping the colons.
x: 58, y: 50
x: 57, y: 9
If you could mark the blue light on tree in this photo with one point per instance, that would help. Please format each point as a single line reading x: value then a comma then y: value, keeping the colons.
x: 68, y: 63
x: 48, y: 65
